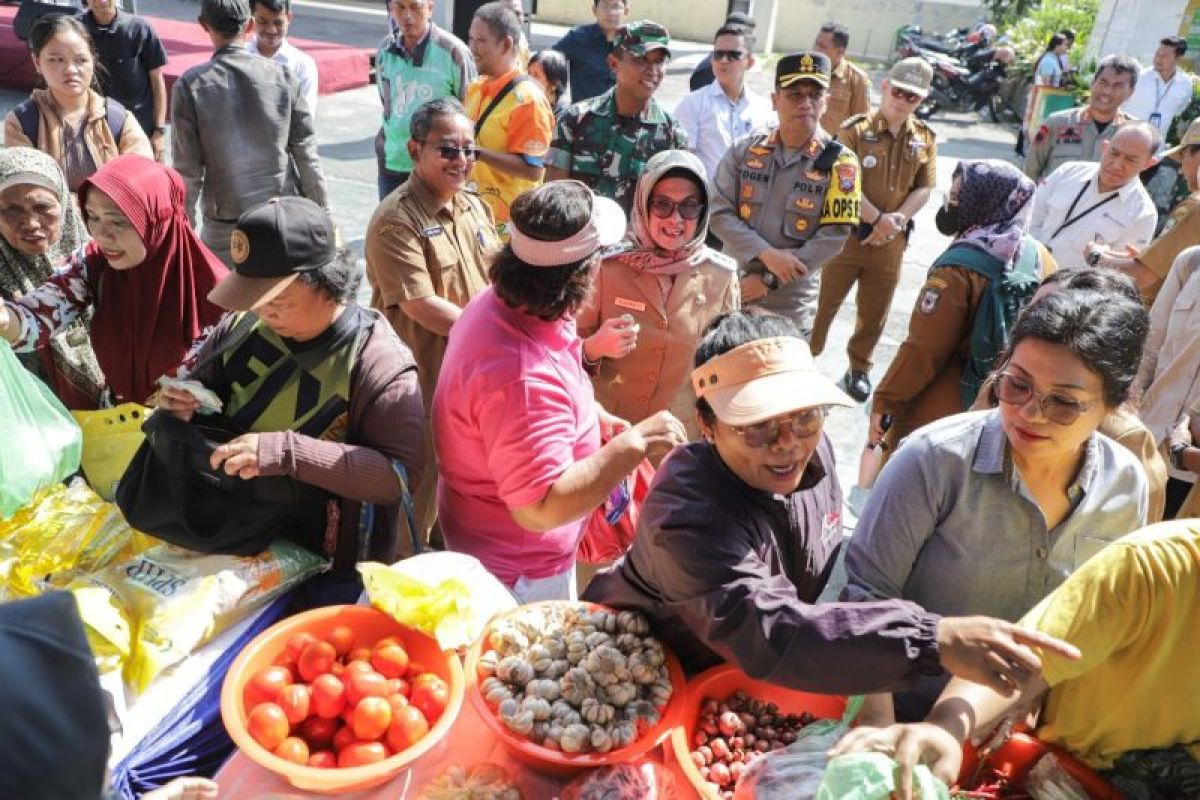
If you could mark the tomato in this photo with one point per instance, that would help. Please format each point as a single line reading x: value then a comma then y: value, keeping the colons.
x: 267, y: 724
x: 337, y: 669
x: 372, y: 716
x: 295, y: 700
x: 318, y: 732
x: 328, y: 696
x: 408, y: 727
x: 361, y: 753
x: 297, y: 642
x: 264, y: 685
x: 323, y: 759
x: 343, y: 738
x: 430, y: 694
x: 359, y: 654
x: 390, y: 661
x: 293, y: 749
x: 315, y: 660
x: 365, y: 684
x: 399, y: 686
x: 359, y: 665
x: 415, y: 668
x: 397, y: 702
x: 388, y: 640
x: 342, y: 639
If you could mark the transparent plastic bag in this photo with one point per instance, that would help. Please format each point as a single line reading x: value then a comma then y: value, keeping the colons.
x: 1049, y: 781
x: 872, y: 776
x: 483, y: 781
x: 647, y: 781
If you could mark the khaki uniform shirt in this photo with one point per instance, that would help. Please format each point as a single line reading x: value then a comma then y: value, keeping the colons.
x: 657, y: 374
x: 849, y: 95
x: 1068, y: 135
x: 1181, y: 230
x: 766, y: 196
x: 892, y: 166
x: 414, y: 250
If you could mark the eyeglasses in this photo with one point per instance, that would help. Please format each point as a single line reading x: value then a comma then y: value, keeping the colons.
x: 906, y: 96
x: 1056, y: 407
x: 803, y: 424
x: 728, y: 55
x: 663, y: 208
x: 449, y: 152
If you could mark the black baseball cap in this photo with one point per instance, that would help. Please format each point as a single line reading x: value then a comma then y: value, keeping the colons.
x: 272, y: 244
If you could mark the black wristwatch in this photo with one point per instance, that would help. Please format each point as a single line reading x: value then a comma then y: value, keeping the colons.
x: 158, y: 129
x: 769, y: 280
x: 1177, y: 451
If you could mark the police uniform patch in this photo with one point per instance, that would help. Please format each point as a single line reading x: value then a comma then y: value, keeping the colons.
x: 928, y: 301
x: 801, y: 225
x: 847, y: 176
x: 1042, y: 133
x: 239, y: 247
x: 814, y: 148
x: 844, y: 195
x: 814, y: 175
x: 755, y: 163
x: 759, y: 150
x: 744, y: 211
x: 805, y: 204
x: 869, y: 161
x: 748, y: 191
x: 1069, y: 134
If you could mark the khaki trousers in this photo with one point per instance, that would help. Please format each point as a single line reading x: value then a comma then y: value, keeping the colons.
x: 876, y: 270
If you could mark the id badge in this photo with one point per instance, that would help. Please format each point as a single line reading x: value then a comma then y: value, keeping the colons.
x: 1155, y: 118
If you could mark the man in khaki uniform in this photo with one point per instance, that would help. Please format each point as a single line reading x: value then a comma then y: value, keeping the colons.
x: 849, y: 86
x: 1150, y: 267
x: 428, y: 248
x: 785, y: 199
x: 1076, y: 133
x: 898, y: 156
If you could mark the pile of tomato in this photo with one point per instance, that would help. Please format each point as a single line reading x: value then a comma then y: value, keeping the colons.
x: 329, y: 703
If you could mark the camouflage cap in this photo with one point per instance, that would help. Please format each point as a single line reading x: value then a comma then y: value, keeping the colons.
x: 641, y: 37
x: 806, y: 66
x: 911, y: 75
x: 1190, y: 137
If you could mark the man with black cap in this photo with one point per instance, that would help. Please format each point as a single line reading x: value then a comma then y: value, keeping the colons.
x: 240, y: 126
x: 325, y: 388
x: 785, y: 199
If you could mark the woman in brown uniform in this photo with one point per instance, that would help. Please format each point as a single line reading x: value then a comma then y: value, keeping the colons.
x: 969, y: 301
x: 653, y: 299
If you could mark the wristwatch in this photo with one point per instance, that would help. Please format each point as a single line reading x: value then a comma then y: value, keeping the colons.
x: 1177, y: 451
x: 769, y: 280
x: 159, y: 129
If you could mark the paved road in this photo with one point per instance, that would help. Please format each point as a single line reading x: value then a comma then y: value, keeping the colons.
x: 347, y: 123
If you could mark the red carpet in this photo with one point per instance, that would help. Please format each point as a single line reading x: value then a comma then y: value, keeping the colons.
x: 339, y: 67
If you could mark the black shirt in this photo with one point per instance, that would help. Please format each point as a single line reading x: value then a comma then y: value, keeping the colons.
x: 128, y: 49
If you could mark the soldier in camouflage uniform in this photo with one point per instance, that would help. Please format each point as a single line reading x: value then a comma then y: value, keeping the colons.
x: 785, y: 199
x: 1076, y: 133
x: 607, y: 140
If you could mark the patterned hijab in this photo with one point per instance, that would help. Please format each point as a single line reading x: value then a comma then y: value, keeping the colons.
x: 994, y: 206
x: 21, y: 273
x: 642, y: 253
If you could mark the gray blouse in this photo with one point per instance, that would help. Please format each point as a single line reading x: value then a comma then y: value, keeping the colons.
x: 950, y: 526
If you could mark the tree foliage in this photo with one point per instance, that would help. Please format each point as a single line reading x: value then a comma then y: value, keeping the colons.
x: 1030, y: 23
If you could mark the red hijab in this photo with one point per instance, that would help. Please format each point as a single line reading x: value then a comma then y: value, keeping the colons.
x: 147, y: 317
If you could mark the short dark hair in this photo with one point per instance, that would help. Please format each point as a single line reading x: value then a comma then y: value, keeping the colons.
x: 840, y: 33
x: 555, y: 68
x: 422, y: 119
x: 1056, y: 40
x: 1104, y: 330
x: 1094, y: 279
x: 1120, y: 64
x: 51, y: 25
x: 278, y: 6
x: 597, y: 2
x: 729, y: 29
x: 1068, y: 34
x: 501, y: 20
x: 1177, y: 42
x: 734, y: 329
x: 227, y: 27
x: 339, y: 278
x: 551, y: 212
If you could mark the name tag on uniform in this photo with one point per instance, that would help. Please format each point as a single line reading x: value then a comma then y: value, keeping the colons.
x: 632, y: 305
x: 432, y: 231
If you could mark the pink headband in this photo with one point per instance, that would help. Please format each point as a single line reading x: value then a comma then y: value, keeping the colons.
x: 605, y: 227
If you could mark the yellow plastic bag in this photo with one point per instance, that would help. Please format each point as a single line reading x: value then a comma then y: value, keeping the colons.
x: 62, y: 531
x: 177, y: 600
x: 111, y: 437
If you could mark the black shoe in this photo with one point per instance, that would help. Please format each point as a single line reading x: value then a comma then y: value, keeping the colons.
x: 857, y: 385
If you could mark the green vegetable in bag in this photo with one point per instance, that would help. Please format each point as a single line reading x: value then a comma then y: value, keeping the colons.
x: 42, y: 443
x: 872, y: 776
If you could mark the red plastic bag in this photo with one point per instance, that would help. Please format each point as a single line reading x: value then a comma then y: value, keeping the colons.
x: 603, y: 542
x: 646, y: 781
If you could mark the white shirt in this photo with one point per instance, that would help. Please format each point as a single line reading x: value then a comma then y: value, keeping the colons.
x: 1153, y: 95
x: 301, y: 65
x: 713, y: 123
x: 1127, y: 219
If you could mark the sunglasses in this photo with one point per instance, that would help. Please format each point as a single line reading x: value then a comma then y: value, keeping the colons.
x: 803, y: 424
x: 663, y: 208
x: 449, y: 152
x: 906, y: 96
x: 1055, y: 406
x: 728, y: 55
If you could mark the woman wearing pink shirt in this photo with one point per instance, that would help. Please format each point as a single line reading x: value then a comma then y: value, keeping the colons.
x: 517, y: 429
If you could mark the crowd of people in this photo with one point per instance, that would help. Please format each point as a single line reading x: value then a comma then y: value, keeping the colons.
x: 570, y: 283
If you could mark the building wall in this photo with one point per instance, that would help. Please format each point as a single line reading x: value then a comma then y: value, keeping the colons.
x: 1134, y: 27
x: 872, y: 23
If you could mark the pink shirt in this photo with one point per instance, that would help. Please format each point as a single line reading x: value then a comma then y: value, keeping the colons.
x: 513, y: 409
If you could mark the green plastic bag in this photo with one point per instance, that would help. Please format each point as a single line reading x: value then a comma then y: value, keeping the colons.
x: 872, y: 776
x: 42, y: 443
